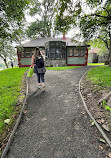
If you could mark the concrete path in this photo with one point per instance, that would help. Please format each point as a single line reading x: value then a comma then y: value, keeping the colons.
x: 56, y: 124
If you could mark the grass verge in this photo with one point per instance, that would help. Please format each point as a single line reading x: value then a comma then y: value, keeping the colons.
x: 99, y: 79
x: 95, y: 64
x: 100, y: 76
x: 62, y: 68
x: 10, y: 90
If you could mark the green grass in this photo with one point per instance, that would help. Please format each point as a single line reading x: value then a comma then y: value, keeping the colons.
x: 100, y: 76
x: 104, y: 104
x: 62, y: 68
x: 95, y: 64
x: 10, y: 86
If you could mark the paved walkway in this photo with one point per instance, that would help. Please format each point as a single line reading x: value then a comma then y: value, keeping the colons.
x: 56, y: 124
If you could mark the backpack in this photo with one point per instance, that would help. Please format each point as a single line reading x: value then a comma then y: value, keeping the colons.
x: 40, y: 62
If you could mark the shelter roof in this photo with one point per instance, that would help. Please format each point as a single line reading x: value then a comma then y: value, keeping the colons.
x: 40, y: 42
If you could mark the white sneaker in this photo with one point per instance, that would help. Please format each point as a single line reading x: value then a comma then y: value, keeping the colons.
x: 39, y: 86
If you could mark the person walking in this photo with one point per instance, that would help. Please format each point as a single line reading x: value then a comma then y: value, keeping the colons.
x: 11, y: 63
x: 39, y: 67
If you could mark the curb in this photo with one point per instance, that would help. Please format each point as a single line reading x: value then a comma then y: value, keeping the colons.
x: 97, y: 125
x: 4, y: 154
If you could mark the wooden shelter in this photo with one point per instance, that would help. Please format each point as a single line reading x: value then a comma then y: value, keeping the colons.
x: 58, y: 52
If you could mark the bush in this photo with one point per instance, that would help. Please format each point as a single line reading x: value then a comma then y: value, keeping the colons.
x: 106, y: 62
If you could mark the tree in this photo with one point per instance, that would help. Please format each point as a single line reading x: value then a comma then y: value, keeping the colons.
x: 95, y: 24
x: 98, y: 43
x: 43, y: 26
x: 12, y: 14
x: 38, y: 28
x: 11, y: 18
x: 98, y: 24
x: 6, y: 52
x: 67, y: 14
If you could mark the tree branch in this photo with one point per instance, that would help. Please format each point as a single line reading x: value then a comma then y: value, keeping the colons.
x: 104, y: 42
x: 2, y: 56
x: 106, y: 10
x: 97, y: 15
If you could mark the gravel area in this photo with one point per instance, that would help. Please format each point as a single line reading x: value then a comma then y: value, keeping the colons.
x: 55, y: 123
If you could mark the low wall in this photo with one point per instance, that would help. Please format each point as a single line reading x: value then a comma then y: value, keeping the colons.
x: 102, y: 58
x: 92, y: 58
x: 55, y: 63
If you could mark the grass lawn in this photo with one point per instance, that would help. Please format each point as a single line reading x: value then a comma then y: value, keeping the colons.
x: 95, y: 64
x: 100, y: 76
x: 10, y: 87
x: 72, y: 67
x: 62, y: 68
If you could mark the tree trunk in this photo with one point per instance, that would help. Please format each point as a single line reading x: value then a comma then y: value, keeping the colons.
x: 110, y: 52
x: 5, y: 63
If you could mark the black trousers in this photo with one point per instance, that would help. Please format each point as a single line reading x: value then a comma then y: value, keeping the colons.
x: 40, y: 77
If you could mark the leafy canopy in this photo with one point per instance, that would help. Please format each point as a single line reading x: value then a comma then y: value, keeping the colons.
x: 43, y: 25
x: 67, y: 12
x: 11, y: 24
x: 12, y: 13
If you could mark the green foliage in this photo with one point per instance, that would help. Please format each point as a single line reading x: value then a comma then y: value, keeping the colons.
x: 93, y: 3
x: 100, y: 76
x: 104, y: 104
x: 97, y: 23
x: 14, y: 9
x: 61, y: 23
x: 95, y: 64
x: 62, y: 68
x: 42, y: 27
x: 102, y: 140
x: 87, y: 26
x: 67, y: 12
x: 10, y: 87
x: 11, y: 25
x: 93, y: 25
x: 6, y: 51
x: 107, y: 108
x: 98, y: 43
x: 39, y: 28
x: 35, y: 8
x: 12, y: 15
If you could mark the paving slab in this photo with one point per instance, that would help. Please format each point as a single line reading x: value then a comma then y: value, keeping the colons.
x: 56, y: 124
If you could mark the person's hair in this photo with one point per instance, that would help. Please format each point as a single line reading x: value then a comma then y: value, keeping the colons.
x: 36, y: 53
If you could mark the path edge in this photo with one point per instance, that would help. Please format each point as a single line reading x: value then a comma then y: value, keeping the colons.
x: 5, y: 151
x: 86, y: 108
